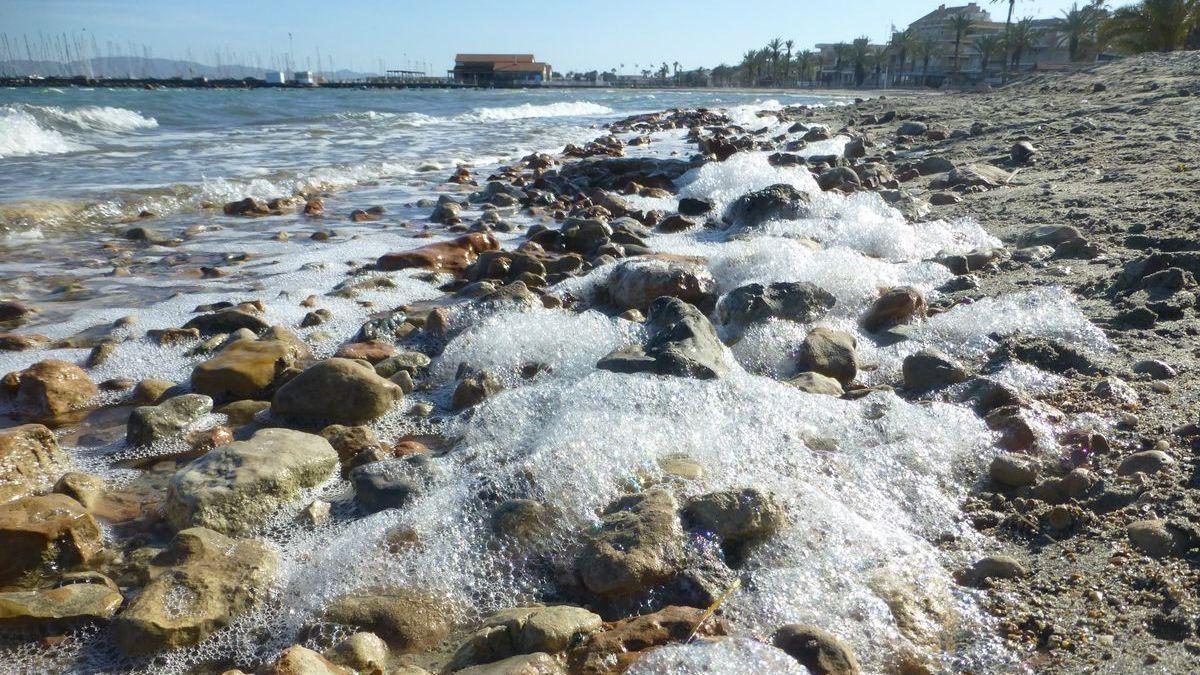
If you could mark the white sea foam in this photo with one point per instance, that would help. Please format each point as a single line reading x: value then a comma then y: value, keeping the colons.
x: 21, y: 135
x: 531, y: 110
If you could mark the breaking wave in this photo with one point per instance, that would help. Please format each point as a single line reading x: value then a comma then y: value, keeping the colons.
x: 50, y: 130
x: 529, y: 110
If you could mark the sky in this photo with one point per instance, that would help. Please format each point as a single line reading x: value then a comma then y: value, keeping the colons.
x: 572, y: 35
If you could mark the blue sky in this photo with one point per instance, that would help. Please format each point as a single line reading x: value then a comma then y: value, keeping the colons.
x: 570, y: 34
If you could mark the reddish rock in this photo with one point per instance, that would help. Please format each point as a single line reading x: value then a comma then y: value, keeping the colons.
x: 619, y: 644
x: 450, y: 256
x: 372, y: 351
x: 48, y: 390
x: 247, y: 207
x: 50, y: 529
x: 30, y: 460
x: 897, y: 305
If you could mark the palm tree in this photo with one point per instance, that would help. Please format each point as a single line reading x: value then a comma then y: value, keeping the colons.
x: 1007, y: 29
x: 1152, y: 25
x: 860, y: 56
x: 748, y: 65
x: 842, y: 53
x: 987, y: 46
x: 962, y: 25
x: 900, y: 45
x: 808, y: 64
x: 775, y: 47
x: 1079, y: 25
x: 924, y: 48
x: 676, y: 66
x: 787, y: 62
x: 1023, y: 36
x: 879, y: 59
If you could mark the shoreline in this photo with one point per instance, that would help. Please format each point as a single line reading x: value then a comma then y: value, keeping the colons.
x: 1070, y: 595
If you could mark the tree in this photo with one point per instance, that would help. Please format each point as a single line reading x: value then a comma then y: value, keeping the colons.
x: 1024, y: 36
x: 775, y: 48
x: 748, y: 65
x: 842, y: 53
x: 860, y: 56
x: 1152, y: 25
x: 1007, y: 30
x: 787, y: 62
x: 879, y: 59
x: 899, y: 45
x: 962, y: 25
x: 1079, y: 26
x: 924, y: 48
x: 987, y: 46
x: 808, y: 65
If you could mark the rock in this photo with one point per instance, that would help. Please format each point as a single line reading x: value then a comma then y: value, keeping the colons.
x: 944, y: 198
x: 801, y: 302
x: 977, y: 175
x: 444, y: 256
x: 199, y: 584
x: 1014, y: 470
x: 1023, y: 152
x: 912, y: 128
x: 934, y: 164
x: 521, y: 519
x: 13, y: 311
x: 45, y: 531
x: 816, y: 383
x: 150, y: 391
x: 474, y: 388
x: 931, y: 369
x: 584, y: 235
x: 339, y: 391
x: 365, y: 652
x: 994, y: 567
x: 371, y: 351
x: 446, y: 212
x: 243, y: 412
x: 1157, y: 370
x: 391, y: 483
x: 1148, y: 462
x: 1152, y: 537
x: 777, y: 202
x: 896, y: 306
x: 691, y: 206
x: 615, y: 648
x: 247, y: 207
x: 524, y: 630
x: 235, y: 488
x: 538, y: 663
x: 638, y: 546
x: 838, y: 178
x: 30, y: 461
x: 821, y: 652
x: 67, y: 604
x: 409, y: 620
x: 298, y: 660
x: 1115, y: 390
x: 246, y: 368
x: 683, y: 343
x: 349, y: 441
x: 50, y: 391
x: 228, y: 320
x: 676, y: 223
x: 19, y: 342
x: 737, y: 514
x: 412, y: 362
x: 150, y: 423
x: 829, y: 352
x: 634, y: 284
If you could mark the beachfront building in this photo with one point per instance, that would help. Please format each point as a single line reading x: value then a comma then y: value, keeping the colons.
x: 938, y: 27
x: 499, y: 70
x: 851, y: 64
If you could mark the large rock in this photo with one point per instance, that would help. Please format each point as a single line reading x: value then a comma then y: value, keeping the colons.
x: 615, y: 648
x: 821, y: 652
x: 30, y: 461
x: 338, y: 391
x: 300, y: 660
x: 777, y: 202
x: 931, y: 369
x: 228, y: 320
x: 829, y: 352
x: 50, y: 391
x: 150, y: 423
x: 634, y: 284
x: 816, y: 383
x: 525, y: 630
x: 737, y: 514
x: 683, y: 343
x: 235, y: 488
x: 584, y: 235
x: 66, y: 604
x: 753, y: 303
x: 46, y: 531
x: 977, y: 175
x: 200, y: 583
x: 410, y: 621
x: 444, y: 256
x: 246, y: 368
x: 391, y: 483
x: 537, y: 663
x: 638, y: 546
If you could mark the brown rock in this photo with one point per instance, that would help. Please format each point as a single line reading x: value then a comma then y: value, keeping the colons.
x: 821, y: 652
x: 614, y: 649
x: 47, y: 530
x: 53, y: 391
x: 372, y: 351
x: 297, y: 660
x: 450, y: 256
x: 30, y: 461
x: 408, y: 620
x: 245, y: 368
x: 897, y: 305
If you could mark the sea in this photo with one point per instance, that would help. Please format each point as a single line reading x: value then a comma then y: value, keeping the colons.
x: 873, y: 486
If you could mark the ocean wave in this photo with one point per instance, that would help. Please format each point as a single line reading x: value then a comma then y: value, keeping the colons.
x: 27, y: 129
x: 529, y: 110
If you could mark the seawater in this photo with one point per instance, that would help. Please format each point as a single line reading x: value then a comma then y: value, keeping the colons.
x: 870, y: 484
